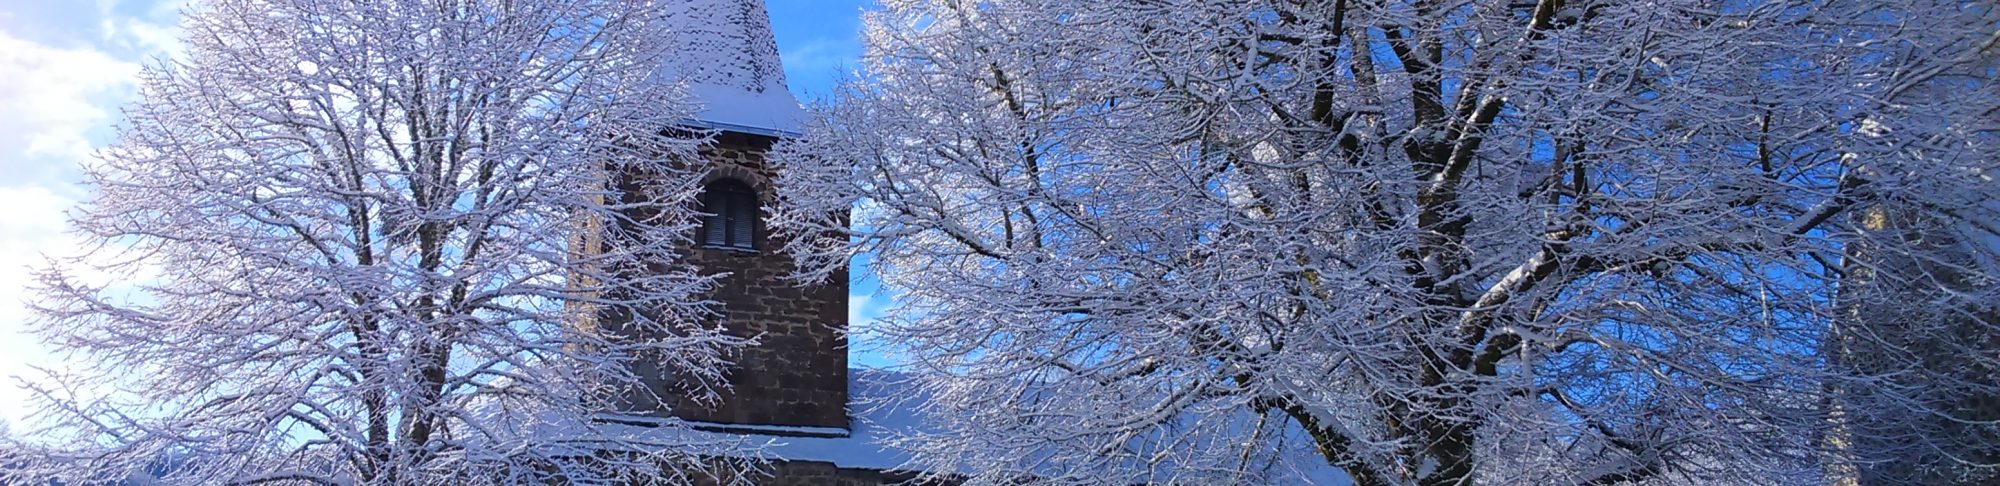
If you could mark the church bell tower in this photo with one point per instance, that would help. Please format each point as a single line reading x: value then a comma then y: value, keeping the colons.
x: 795, y: 380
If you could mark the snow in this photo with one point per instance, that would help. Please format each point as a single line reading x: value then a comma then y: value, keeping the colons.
x: 726, y: 57
x: 214, y: 160
x: 771, y: 112
x: 1086, y: 208
x: 883, y: 406
x: 878, y: 410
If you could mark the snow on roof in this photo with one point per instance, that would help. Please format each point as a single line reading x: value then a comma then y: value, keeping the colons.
x: 728, y: 60
x: 883, y: 406
x: 769, y: 113
x: 878, y: 410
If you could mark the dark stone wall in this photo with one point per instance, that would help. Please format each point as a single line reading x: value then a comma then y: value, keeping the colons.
x: 812, y: 473
x: 818, y: 473
x: 1912, y: 414
x: 797, y: 374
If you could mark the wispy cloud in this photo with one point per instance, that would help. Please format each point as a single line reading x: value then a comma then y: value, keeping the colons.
x: 819, y: 41
x: 813, y: 67
x: 61, y: 97
x: 56, y: 99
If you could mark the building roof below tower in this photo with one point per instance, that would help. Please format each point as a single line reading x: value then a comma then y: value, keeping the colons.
x: 885, y: 406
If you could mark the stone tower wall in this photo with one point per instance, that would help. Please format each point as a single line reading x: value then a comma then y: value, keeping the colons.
x: 797, y: 374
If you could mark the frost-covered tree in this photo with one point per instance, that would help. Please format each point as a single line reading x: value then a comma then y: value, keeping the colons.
x: 364, y: 242
x: 1912, y: 320
x: 1477, y: 242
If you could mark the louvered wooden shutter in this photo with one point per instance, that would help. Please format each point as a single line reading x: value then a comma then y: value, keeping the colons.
x: 714, y: 220
x: 730, y: 219
x: 714, y: 226
x: 743, y: 227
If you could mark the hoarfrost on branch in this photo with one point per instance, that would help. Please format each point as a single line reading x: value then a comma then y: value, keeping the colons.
x: 1478, y: 242
x: 387, y: 242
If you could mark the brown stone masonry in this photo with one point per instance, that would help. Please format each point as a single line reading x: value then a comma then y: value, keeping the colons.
x: 797, y: 375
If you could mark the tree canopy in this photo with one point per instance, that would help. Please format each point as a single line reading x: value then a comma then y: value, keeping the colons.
x: 1475, y: 242
x: 348, y: 242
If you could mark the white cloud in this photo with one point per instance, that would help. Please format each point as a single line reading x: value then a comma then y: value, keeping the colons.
x: 34, y: 221
x: 821, y: 54
x: 144, y: 36
x: 56, y: 100
x: 155, y: 31
x: 60, y: 104
x: 863, y: 310
x: 33, y: 228
x: 858, y: 311
x: 812, y: 68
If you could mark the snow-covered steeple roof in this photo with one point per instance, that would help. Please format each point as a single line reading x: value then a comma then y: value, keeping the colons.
x: 729, y: 60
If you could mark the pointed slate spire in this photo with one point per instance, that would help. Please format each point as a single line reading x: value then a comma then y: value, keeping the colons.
x: 729, y: 60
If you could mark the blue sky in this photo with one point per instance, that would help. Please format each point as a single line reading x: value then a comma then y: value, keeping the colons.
x: 67, y: 65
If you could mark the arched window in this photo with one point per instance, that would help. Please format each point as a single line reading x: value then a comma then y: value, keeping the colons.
x: 730, y: 215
